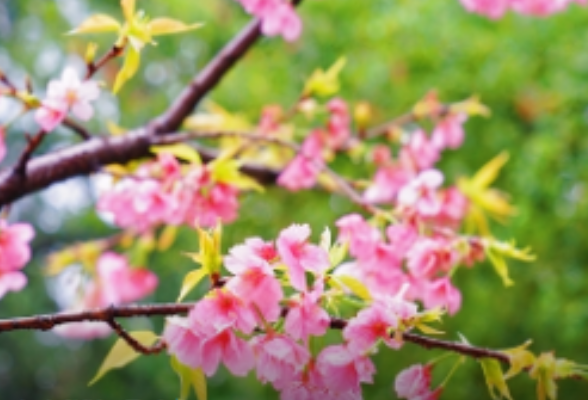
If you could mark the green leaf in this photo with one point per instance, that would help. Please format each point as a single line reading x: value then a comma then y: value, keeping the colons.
x: 179, y: 150
x: 191, y: 280
x: 122, y: 354
x: 166, y: 26
x: 128, y: 70
x: 520, y: 358
x: 500, y: 266
x: 495, y: 379
x: 189, y: 377
x: 97, y: 23
x: 355, y: 286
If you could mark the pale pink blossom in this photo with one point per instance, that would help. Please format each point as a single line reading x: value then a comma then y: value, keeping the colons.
x: 11, y: 281
x: 449, y: 132
x: 419, y: 152
x: 279, y: 357
x: 387, y: 183
x: 51, y: 113
x: 454, y: 207
x: 74, y: 93
x: 430, y: 256
x: 421, y: 193
x: 306, y: 317
x: 441, y: 293
x: 402, y: 237
x: 221, y: 309
x: 539, y: 7
x: 299, y: 255
x: 362, y: 237
x: 491, y: 8
x: 183, y: 341
x: 224, y: 346
x: 342, y: 370
x: 338, y: 124
x: 15, y: 249
x: 120, y: 283
x: 303, y: 170
x: 281, y: 19
x: 368, y: 327
x: 414, y: 383
x: 254, y: 280
x: 86, y: 330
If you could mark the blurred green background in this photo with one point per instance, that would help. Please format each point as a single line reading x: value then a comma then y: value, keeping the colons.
x: 531, y: 72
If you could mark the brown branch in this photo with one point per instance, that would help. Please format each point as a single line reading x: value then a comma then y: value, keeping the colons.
x: 114, y: 52
x: 47, y: 322
x: 90, y: 156
x: 133, y: 343
x: 77, y: 128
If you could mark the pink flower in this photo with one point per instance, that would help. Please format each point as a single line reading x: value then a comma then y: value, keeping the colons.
x: 11, y: 281
x: 454, y: 206
x: 430, y: 256
x: 442, y: 293
x: 86, y: 330
x: 227, y: 347
x: 402, y: 237
x: 342, y: 370
x: 254, y: 282
x: 372, y: 324
x: 538, y: 7
x: 15, y: 250
x: 304, y: 169
x: 386, y: 184
x: 279, y: 357
x: 221, y: 309
x: 362, y: 237
x: 300, y: 256
x: 338, y: 124
x: 491, y: 8
x: 51, y: 113
x: 281, y: 19
x: 421, y: 193
x: 306, y: 317
x: 119, y: 283
x: 419, y: 152
x: 449, y: 132
x: 413, y: 383
x: 183, y: 341
x: 74, y: 93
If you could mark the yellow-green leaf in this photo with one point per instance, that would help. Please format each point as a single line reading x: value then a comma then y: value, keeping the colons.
x: 428, y: 330
x: 122, y: 354
x: 179, y: 150
x: 167, y: 237
x: 128, y: 70
x: 227, y: 171
x: 520, y: 358
x: 323, y: 83
x: 128, y: 9
x: 189, y: 377
x: 488, y: 173
x: 543, y: 371
x: 495, y: 379
x: 471, y: 106
x: 165, y: 26
x: 97, y: 23
x: 500, y: 266
x: 191, y: 280
x: 355, y: 286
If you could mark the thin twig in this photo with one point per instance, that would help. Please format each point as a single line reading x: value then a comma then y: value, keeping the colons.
x: 113, y: 53
x: 133, y: 343
x: 401, y: 121
x: 20, y: 169
x: 77, y: 128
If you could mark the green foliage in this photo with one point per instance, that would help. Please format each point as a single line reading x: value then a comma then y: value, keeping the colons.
x: 530, y: 72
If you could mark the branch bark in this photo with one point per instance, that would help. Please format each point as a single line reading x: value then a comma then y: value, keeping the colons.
x: 49, y: 321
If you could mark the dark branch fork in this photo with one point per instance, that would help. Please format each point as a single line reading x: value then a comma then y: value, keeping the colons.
x: 108, y: 315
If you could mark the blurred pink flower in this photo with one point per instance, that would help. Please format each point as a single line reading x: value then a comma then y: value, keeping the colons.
x: 15, y: 250
x: 299, y: 255
x: 449, y: 132
x: 441, y: 293
x: 306, y: 317
x: 342, y: 370
x: 51, y: 113
x: 491, y: 8
x: 421, y: 193
x: 11, y: 281
x: 281, y: 19
x: 74, y: 93
x: 279, y: 357
x: 413, y: 383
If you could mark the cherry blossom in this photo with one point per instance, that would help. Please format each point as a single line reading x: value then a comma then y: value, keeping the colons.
x: 74, y: 93
x: 306, y: 317
x: 299, y: 255
x: 343, y: 370
x: 15, y: 250
x: 449, y: 132
x: 51, y: 113
x: 414, y: 383
x: 303, y: 170
x: 442, y: 293
x: 279, y: 357
x: 421, y: 193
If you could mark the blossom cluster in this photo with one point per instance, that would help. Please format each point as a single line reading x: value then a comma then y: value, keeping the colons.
x: 496, y: 8
x: 165, y: 192
x: 302, y: 172
x: 64, y: 95
x: 277, y: 17
x: 15, y: 253
x: 239, y: 324
x: 114, y: 282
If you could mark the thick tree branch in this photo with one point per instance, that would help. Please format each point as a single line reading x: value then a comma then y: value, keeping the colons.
x: 47, y: 322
